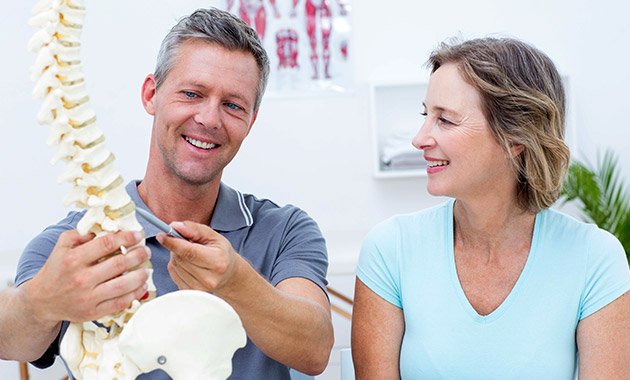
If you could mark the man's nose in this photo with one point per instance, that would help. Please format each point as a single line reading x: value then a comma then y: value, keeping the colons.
x: 208, y: 114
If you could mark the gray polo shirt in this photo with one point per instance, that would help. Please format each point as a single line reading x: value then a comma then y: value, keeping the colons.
x: 279, y: 242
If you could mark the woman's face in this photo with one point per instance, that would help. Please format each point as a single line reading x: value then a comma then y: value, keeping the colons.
x: 464, y: 160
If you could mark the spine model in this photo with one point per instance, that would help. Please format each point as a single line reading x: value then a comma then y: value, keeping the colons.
x: 89, y: 349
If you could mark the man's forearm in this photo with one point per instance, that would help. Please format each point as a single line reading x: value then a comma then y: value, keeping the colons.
x: 22, y: 336
x: 287, y: 327
x: 290, y: 323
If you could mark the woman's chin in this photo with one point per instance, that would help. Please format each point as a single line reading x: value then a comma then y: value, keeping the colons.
x: 436, y: 190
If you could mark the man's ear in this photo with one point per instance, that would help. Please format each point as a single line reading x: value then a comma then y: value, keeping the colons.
x: 148, y: 94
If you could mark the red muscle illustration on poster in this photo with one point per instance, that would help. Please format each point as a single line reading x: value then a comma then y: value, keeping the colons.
x: 308, y: 42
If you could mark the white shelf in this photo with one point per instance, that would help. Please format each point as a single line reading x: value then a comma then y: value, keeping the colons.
x: 395, y: 118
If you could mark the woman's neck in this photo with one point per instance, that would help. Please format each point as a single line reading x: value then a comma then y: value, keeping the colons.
x: 492, y: 225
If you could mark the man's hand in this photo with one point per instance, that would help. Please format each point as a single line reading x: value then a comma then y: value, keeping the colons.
x: 206, y: 262
x: 290, y: 322
x: 81, y: 281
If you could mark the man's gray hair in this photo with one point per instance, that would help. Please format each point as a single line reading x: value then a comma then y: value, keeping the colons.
x: 215, y: 27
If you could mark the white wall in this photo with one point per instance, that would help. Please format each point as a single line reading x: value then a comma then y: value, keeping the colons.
x: 312, y: 152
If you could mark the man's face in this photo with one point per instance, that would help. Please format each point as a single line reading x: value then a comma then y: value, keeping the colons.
x: 202, y: 112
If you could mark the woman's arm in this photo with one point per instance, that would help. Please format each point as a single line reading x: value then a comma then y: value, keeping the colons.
x: 603, y: 340
x: 377, y: 331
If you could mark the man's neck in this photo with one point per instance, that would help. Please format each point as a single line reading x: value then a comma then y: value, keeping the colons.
x: 175, y: 200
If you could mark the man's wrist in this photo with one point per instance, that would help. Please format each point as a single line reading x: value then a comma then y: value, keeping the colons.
x: 35, y: 307
x: 237, y: 282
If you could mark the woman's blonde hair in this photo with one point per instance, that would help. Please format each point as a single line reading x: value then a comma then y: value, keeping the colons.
x: 524, y: 102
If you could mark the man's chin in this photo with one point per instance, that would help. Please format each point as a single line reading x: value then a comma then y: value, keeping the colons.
x: 192, y: 172
x: 196, y: 178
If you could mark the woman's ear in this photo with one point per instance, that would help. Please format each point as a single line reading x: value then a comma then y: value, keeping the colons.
x: 516, y: 149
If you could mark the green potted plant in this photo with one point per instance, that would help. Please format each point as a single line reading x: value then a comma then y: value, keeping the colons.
x: 601, y: 196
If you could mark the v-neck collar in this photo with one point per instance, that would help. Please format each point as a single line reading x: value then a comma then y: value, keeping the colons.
x: 521, y: 282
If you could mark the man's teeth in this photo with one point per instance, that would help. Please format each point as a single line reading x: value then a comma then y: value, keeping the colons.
x: 432, y: 164
x: 200, y: 144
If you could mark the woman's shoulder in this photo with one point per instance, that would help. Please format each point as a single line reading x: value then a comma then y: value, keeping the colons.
x: 563, y: 226
x: 591, y: 255
x: 574, y: 239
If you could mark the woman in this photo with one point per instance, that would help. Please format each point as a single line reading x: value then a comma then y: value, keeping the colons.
x: 492, y: 284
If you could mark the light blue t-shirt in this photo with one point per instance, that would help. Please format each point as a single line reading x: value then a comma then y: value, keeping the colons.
x: 573, y: 270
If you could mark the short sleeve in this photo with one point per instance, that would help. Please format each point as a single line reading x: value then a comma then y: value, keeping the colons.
x: 378, y: 266
x: 38, y: 250
x: 302, y: 252
x: 607, y: 273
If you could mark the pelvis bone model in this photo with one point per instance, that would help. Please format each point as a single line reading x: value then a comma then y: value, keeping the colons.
x: 188, y: 334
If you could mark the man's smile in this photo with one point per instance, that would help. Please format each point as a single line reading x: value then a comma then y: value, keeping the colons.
x: 200, y: 144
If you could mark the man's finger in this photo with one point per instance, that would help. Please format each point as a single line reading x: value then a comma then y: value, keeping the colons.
x: 71, y: 239
x: 194, y: 255
x: 119, y: 286
x: 119, y: 264
x: 180, y: 247
x: 110, y: 243
x: 117, y: 304
x: 198, y: 233
x: 174, y: 270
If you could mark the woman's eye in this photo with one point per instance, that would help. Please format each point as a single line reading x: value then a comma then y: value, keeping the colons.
x: 442, y: 120
x: 424, y: 113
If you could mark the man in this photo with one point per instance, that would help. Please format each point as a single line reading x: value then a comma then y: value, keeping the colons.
x: 268, y: 262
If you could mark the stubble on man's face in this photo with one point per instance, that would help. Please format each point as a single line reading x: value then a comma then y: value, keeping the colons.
x: 208, y: 97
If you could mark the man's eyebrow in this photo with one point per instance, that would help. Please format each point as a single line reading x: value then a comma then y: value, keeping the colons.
x: 192, y: 84
x: 238, y: 96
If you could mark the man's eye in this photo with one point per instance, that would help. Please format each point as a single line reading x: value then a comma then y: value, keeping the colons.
x: 424, y: 113
x: 190, y: 94
x: 233, y: 106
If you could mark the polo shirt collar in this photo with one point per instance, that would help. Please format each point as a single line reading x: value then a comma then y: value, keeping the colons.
x: 230, y: 212
x: 149, y: 229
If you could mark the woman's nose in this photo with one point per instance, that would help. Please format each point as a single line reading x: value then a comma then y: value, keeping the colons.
x: 423, y: 139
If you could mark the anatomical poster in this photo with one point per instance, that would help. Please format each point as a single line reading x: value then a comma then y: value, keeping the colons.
x: 308, y: 43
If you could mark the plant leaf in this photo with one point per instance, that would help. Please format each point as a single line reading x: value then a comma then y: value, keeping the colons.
x: 602, y: 197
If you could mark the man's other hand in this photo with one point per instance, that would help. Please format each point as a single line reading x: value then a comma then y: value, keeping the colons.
x: 207, y: 261
x: 82, y: 280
